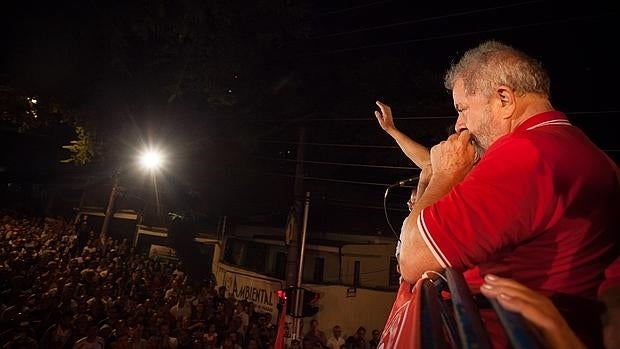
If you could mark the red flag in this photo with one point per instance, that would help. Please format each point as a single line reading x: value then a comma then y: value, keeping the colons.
x: 279, y: 343
x: 402, y: 328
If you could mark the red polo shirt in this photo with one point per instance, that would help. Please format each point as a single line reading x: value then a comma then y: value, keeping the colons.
x: 542, y: 206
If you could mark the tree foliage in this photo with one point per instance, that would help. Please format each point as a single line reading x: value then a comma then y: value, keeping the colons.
x: 83, y: 150
x: 112, y: 66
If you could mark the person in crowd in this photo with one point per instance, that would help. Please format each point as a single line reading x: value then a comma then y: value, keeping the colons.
x: 358, y: 340
x: 92, y: 340
x: 535, y: 307
x: 211, y: 336
x: 136, y: 339
x: 162, y: 339
x: 59, y: 335
x: 374, y: 341
x: 540, y: 204
x: 181, y: 310
x: 314, y: 334
x: 252, y: 344
x: 336, y: 340
x: 241, y: 312
x: 295, y: 344
x: 235, y: 339
x: 416, y: 152
x: 540, y: 311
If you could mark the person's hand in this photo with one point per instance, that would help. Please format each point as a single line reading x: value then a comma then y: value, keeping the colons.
x: 453, y: 158
x: 385, y: 117
x: 534, y: 307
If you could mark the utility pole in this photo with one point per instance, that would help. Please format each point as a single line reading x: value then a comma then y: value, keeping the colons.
x: 292, y: 259
x: 109, y: 210
x: 300, y: 273
x: 293, y: 273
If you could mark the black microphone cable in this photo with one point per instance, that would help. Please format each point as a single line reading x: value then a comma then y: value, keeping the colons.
x: 387, y: 190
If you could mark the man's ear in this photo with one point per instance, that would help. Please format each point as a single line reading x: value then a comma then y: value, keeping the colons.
x: 506, y: 97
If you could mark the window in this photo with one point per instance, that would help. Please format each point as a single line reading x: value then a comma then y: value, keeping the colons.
x: 255, y: 257
x: 319, y: 266
x: 246, y: 254
x: 280, y: 269
x: 356, y: 274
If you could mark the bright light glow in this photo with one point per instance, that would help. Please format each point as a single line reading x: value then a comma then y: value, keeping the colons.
x: 151, y: 160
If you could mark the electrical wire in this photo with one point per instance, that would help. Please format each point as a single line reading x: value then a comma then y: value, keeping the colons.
x: 336, y: 163
x: 422, y: 20
x: 406, y: 116
x: 330, y: 144
x: 347, y: 9
x: 448, y: 36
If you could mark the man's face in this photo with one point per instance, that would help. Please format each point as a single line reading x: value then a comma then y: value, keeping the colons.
x: 337, y: 332
x: 476, y: 115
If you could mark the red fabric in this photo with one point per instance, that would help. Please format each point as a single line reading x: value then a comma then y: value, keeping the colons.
x: 541, y: 207
x: 279, y: 342
x: 612, y: 277
x: 402, y: 328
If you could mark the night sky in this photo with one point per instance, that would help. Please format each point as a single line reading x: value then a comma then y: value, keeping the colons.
x: 226, y: 88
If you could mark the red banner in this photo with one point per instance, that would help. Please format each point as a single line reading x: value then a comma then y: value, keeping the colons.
x: 402, y: 328
x: 279, y: 343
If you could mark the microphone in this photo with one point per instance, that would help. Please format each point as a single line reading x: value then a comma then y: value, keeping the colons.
x: 404, y: 182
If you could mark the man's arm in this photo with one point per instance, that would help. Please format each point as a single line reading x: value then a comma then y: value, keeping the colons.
x: 415, y: 151
x: 451, y: 160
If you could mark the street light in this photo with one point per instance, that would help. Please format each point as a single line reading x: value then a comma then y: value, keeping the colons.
x: 151, y: 160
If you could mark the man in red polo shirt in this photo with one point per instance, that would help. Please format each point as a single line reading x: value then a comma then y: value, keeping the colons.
x: 540, y: 206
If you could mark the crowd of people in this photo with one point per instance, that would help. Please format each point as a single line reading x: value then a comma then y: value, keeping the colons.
x: 517, y: 198
x: 58, y: 291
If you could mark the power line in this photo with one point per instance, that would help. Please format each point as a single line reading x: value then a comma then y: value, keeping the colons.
x: 406, y: 116
x: 398, y: 118
x: 335, y: 180
x: 449, y: 36
x: 338, y: 163
x: 391, y: 208
x: 366, y: 146
x: 347, y: 9
x: 422, y: 20
x: 331, y: 144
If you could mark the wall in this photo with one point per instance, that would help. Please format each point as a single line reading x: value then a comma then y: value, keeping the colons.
x: 368, y: 308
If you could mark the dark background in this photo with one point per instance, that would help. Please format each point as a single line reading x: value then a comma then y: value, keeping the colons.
x: 225, y: 88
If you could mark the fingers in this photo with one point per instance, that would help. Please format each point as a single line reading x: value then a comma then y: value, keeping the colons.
x: 464, y: 135
x: 518, y: 298
x: 385, y: 109
x: 495, y: 285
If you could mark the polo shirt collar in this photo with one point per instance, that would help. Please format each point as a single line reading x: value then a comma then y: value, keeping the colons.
x: 552, y: 117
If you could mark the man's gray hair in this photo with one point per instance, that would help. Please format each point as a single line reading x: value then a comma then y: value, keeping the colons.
x: 492, y: 64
